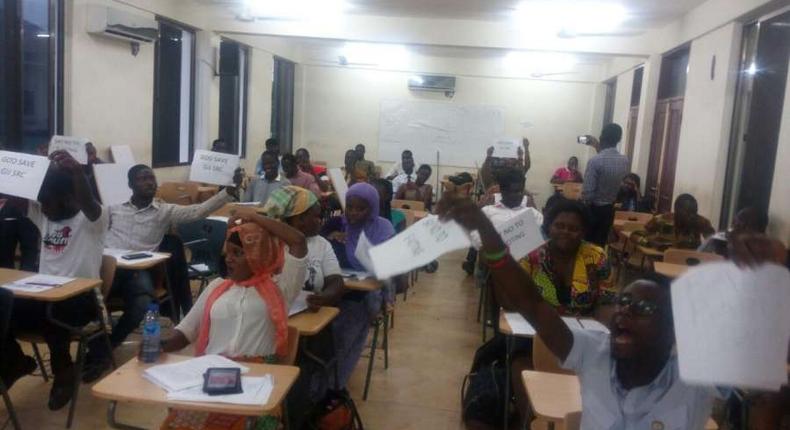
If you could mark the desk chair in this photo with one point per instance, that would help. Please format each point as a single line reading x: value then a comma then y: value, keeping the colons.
x: 381, y: 321
x: 638, y: 217
x: 204, y: 239
x: 408, y: 204
x: 688, y: 257
x: 6, y: 304
x: 620, y: 251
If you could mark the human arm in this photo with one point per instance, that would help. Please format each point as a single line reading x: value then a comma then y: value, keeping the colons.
x: 527, y: 159
x: 334, y: 288
x: 188, y: 328
x: 180, y: 214
x: 427, y: 197
x: 82, y: 189
x: 513, y: 287
x: 297, y: 245
x: 394, y: 171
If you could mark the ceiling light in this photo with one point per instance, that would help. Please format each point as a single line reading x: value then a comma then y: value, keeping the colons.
x: 564, y: 17
x: 538, y: 63
x: 374, y: 54
x: 295, y: 9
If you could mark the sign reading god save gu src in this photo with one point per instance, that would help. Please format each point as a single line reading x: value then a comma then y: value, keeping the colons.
x: 21, y: 175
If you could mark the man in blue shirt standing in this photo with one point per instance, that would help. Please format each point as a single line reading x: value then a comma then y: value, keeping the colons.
x: 602, y: 178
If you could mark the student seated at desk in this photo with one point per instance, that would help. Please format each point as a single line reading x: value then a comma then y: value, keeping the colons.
x: 17, y: 231
x: 569, y: 173
x: 683, y: 229
x: 418, y: 190
x: 365, y: 165
x: 318, y: 172
x: 396, y: 217
x: 630, y: 197
x: 73, y: 226
x: 408, y: 175
x: 360, y: 308
x: 297, y: 177
x: 140, y: 225
x: 748, y: 220
x: 397, y: 168
x: 245, y: 317
x: 629, y: 379
x: 259, y: 189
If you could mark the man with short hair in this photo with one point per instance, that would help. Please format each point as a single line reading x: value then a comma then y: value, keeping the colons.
x: 273, y: 146
x: 365, y: 165
x: 297, y: 177
x: 260, y: 189
x: 602, y: 178
x: 219, y: 145
x: 397, y: 168
x: 408, y: 175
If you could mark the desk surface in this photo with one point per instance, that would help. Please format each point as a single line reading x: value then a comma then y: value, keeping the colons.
x: 57, y: 294
x: 311, y: 323
x: 670, y: 270
x: 158, y: 258
x: 229, y: 208
x: 505, y: 328
x: 368, y: 284
x: 650, y: 252
x: 127, y: 384
x: 552, y: 395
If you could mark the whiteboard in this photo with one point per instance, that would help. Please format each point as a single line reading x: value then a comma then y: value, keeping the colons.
x: 461, y: 133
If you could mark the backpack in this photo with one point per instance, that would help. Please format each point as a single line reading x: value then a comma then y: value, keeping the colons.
x: 336, y: 412
x: 483, y: 389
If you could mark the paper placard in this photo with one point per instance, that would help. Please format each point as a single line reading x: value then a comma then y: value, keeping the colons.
x: 506, y: 148
x: 122, y: 154
x: 732, y: 326
x: 521, y: 234
x: 339, y: 184
x: 213, y: 167
x: 417, y: 246
x: 21, y: 175
x: 73, y: 145
x: 112, y: 182
x: 363, y: 252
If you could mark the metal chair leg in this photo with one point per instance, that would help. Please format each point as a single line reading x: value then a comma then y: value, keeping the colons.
x: 370, y: 361
x: 40, y: 362
x: 386, y: 344
x: 9, y: 407
x: 480, y: 304
x: 77, y: 380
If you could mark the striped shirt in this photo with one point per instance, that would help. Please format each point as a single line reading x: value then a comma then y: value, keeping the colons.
x: 603, y: 176
x: 142, y: 229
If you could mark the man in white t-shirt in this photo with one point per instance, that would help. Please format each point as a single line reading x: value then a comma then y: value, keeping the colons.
x: 397, y: 168
x: 72, y: 226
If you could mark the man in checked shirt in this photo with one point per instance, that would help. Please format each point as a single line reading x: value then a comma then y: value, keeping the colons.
x: 139, y: 225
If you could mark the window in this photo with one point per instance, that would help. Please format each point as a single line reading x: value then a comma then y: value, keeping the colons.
x: 31, y: 90
x: 234, y: 61
x: 283, y: 103
x: 174, y: 99
x: 608, y: 110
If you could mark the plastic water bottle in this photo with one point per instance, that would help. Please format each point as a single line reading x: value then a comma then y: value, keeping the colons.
x: 151, y: 332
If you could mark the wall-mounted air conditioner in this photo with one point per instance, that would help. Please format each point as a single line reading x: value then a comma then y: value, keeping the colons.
x: 434, y: 83
x: 119, y: 24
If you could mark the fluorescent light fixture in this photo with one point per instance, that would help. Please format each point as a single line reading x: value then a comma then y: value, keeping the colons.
x: 42, y: 35
x: 295, y: 9
x: 374, y: 54
x: 538, y: 63
x: 570, y: 17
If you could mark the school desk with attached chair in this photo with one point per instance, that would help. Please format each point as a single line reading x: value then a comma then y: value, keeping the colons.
x: 157, y: 261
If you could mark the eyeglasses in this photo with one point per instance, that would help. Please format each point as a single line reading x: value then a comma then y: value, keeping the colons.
x: 643, y: 308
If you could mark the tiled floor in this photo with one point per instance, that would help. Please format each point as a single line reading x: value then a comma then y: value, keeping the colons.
x: 431, y: 348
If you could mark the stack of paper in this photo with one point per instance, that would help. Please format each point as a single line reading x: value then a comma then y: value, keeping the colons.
x: 257, y: 390
x: 38, y: 283
x: 188, y: 373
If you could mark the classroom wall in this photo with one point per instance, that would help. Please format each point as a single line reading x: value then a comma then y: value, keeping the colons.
x: 779, y: 210
x: 341, y: 108
x: 622, y: 102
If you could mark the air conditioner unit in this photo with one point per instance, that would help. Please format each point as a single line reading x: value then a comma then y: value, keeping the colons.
x: 118, y: 24
x: 442, y: 84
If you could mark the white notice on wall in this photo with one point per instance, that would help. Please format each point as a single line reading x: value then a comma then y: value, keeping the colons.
x: 339, y: 184
x: 732, y: 326
x: 122, y: 154
x: 111, y: 179
x: 521, y: 234
x: 506, y: 148
x: 73, y: 145
x: 21, y: 175
x: 417, y: 246
x: 213, y: 167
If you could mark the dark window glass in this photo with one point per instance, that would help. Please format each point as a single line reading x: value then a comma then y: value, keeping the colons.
x: 674, y: 69
x: 283, y: 103
x: 233, y: 83
x: 636, y: 88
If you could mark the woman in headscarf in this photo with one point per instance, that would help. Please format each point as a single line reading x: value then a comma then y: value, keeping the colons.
x: 357, y: 309
x: 244, y: 317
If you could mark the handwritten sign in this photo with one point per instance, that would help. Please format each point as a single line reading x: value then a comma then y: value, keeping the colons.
x: 213, y: 167
x: 521, y: 234
x: 122, y: 155
x: 339, y: 184
x: 73, y: 145
x: 506, y: 148
x: 732, y: 326
x: 111, y: 180
x: 417, y: 246
x: 21, y: 175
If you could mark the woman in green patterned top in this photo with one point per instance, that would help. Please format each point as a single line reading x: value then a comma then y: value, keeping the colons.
x: 683, y: 228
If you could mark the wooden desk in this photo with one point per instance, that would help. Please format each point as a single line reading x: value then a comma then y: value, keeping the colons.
x: 552, y: 395
x: 57, y: 294
x: 127, y: 384
x: 368, y: 284
x: 418, y: 215
x: 207, y: 192
x: 158, y: 258
x: 670, y: 270
x: 229, y: 208
x: 505, y: 328
x: 311, y: 323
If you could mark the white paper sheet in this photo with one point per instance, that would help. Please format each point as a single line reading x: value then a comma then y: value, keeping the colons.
x: 21, y: 175
x: 732, y: 325
x: 418, y: 245
x: 188, y: 373
x: 506, y: 148
x: 111, y: 179
x: 363, y: 252
x: 356, y: 274
x: 119, y: 253
x: 593, y: 325
x: 37, y: 283
x: 521, y: 234
x: 122, y: 154
x: 213, y: 167
x: 339, y: 184
x: 73, y: 145
x: 299, y: 304
x: 222, y: 219
x: 519, y: 325
x: 257, y: 390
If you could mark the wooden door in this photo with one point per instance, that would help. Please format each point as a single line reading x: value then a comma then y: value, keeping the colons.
x: 670, y: 157
x: 633, y: 116
x: 656, y: 147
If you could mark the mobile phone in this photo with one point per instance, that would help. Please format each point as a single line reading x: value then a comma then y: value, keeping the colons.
x: 136, y: 256
x: 582, y: 140
x: 222, y: 380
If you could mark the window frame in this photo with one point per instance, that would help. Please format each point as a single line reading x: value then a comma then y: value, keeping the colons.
x: 240, y: 99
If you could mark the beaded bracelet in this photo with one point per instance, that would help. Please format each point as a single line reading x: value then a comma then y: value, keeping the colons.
x: 498, y: 264
x: 497, y: 255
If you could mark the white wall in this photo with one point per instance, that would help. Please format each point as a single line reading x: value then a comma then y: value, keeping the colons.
x: 707, y: 119
x: 622, y: 102
x: 779, y: 211
x: 341, y: 108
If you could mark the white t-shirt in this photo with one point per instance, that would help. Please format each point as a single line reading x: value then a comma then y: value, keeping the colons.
x: 321, y: 262
x: 71, y: 247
